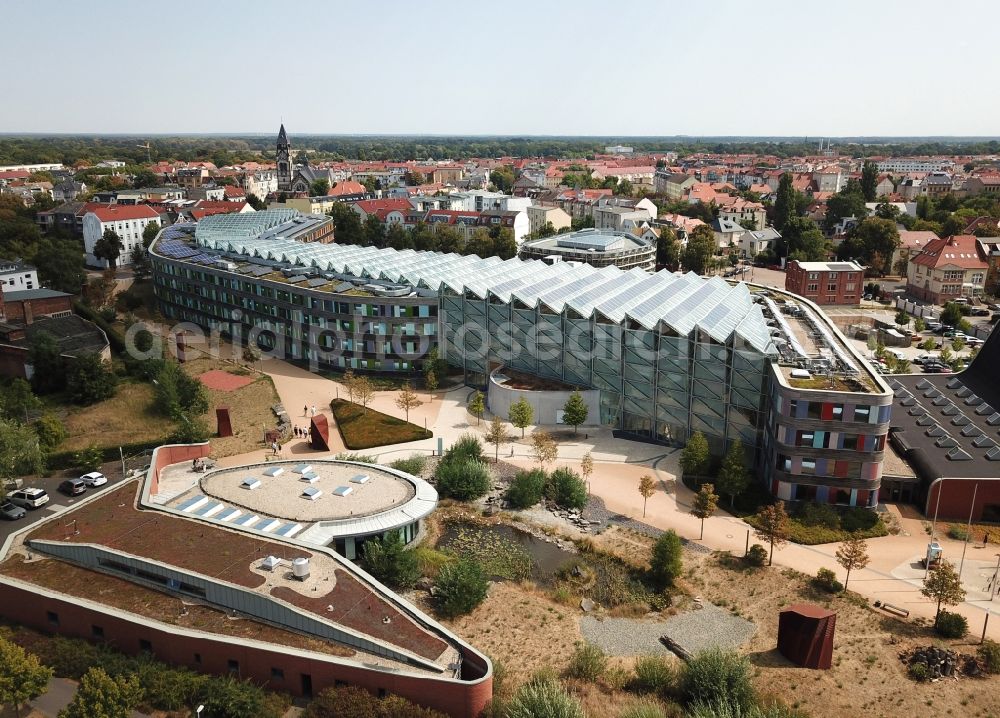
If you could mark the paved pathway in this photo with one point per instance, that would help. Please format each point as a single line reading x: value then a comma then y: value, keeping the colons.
x: 59, y: 694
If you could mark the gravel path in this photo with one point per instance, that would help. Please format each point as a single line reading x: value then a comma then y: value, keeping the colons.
x: 694, y: 631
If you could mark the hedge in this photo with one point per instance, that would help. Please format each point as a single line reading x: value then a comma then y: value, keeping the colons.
x: 115, y: 338
x: 58, y: 460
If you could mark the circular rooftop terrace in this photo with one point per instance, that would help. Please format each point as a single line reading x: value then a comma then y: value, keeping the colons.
x: 319, y: 491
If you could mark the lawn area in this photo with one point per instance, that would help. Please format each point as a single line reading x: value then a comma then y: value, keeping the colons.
x: 363, y: 430
x: 125, y: 418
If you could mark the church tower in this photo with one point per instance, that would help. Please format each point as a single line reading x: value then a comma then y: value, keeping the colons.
x: 283, y: 157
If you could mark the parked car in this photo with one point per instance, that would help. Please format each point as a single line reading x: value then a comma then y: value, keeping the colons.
x: 994, y: 307
x: 73, y: 487
x: 933, y: 326
x: 10, y: 512
x: 936, y: 369
x: 29, y: 498
x: 94, y: 478
x: 980, y: 312
x: 925, y: 359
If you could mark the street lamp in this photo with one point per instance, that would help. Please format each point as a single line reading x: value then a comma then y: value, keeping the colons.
x: 198, y: 711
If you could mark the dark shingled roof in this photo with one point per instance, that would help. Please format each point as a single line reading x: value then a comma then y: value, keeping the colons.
x: 74, y: 335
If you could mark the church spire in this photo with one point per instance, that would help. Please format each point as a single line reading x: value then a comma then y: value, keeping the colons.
x: 282, y: 138
x: 283, y: 160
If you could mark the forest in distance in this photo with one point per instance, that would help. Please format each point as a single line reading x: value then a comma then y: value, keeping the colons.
x: 231, y: 149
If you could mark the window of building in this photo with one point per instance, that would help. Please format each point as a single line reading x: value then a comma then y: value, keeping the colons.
x: 197, y: 659
x: 233, y: 666
x: 812, y: 287
x: 145, y: 645
x: 813, y: 275
x: 97, y: 631
x: 277, y: 674
x: 52, y: 617
x: 831, y: 287
x: 862, y: 412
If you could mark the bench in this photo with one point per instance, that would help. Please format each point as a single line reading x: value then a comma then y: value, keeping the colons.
x: 892, y: 609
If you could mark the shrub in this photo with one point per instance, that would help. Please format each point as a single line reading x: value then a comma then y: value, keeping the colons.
x: 824, y: 515
x: 411, y: 465
x: 957, y: 532
x: 856, y: 519
x: 355, y: 702
x: 727, y: 709
x: 718, y: 676
x: 616, y: 678
x: 466, y: 447
x: 919, y: 672
x: 360, y: 458
x: 951, y: 625
x: 50, y: 430
x: 527, y: 488
x: 430, y: 560
x: 543, y: 698
x: 567, y: 489
x: 461, y: 586
x: 654, y: 674
x: 756, y: 556
x: 388, y: 560
x: 665, y: 562
x: 462, y: 478
x: 989, y: 654
x: 827, y: 580
x: 588, y: 662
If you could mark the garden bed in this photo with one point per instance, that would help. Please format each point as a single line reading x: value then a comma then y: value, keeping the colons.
x: 363, y: 429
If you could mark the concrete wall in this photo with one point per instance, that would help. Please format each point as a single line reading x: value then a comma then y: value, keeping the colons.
x: 545, y: 403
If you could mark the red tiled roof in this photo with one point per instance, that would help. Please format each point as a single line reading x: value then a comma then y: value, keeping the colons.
x: 14, y: 174
x: 958, y: 251
x: 374, y: 205
x: 916, y: 239
x: 206, y: 208
x: 231, y: 191
x: 118, y: 212
x: 346, y: 187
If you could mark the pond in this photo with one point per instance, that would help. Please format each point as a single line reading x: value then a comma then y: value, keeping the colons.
x: 505, y: 552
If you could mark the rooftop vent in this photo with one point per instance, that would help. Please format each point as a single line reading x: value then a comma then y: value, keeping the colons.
x: 924, y: 384
x: 932, y: 393
x: 270, y: 563
x: 958, y: 455
x: 984, y: 409
x: 973, y: 401
x: 963, y: 392
x: 950, y: 410
x: 960, y: 420
x: 941, y: 401
x: 971, y: 430
x: 954, y: 383
x: 993, y: 454
x: 925, y: 421
x: 983, y: 442
x: 303, y: 469
x: 936, y: 430
x: 250, y: 483
x: 945, y: 442
x: 274, y: 471
x: 908, y: 401
x: 360, y: 479
x: 311, y: 493
x: 342, y: 491
x: 300, y: 568
x: 916, y: 411
x: 994, y: 419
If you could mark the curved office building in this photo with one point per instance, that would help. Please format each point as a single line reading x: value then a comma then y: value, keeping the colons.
x: 670, y: 354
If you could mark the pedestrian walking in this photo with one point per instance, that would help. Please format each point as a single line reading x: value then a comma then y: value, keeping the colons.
x: 305, y: 410
x: 314, y: 410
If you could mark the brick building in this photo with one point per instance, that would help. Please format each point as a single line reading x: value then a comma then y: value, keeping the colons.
x: 825, y: 282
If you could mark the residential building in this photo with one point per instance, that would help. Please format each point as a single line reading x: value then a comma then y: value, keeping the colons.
x: 539, y: 216
x: 755, y: 241
x: 127, y: 221
x: 936, y: 184
x: 674, y: 185
x: 989, y: 250
x: 744, y: 213
x: 233, y: 194
x: 618, y: 150
x: 17, y: 275
x: 826, y: 282
x: 668, y: 354
x: 682, y: 224
x: 903, y: 165
x: 829, y: 179
x: 728, y: 234
x: 946, y: 269
x: 390, y: 211
x: 212, y: 193
x: 620, y: 219
x: 66, y: 217
x: 67, y: 190
x: 983, y: 184
x: 911, y: 243
x: 598, y: 248
x: 514, y: 220
x: 261, y: 184
x: 885, y: 187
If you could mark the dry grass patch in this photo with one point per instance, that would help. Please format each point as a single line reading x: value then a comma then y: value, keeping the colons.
x: 867, y: 677
x: 125, y: 418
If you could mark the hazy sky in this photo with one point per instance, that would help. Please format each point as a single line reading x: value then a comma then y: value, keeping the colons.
x: 660, y: 67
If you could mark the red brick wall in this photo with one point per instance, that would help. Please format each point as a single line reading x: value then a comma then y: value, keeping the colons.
x: 12, y: 361
x: 17, y: 311
x: 21, y: 605
x: 956, y: 498
x: 797, y: 281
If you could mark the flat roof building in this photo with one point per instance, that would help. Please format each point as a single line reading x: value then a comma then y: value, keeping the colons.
x: 598, y: 248
x: 826, y: 282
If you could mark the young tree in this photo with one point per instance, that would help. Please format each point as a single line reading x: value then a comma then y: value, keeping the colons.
x: 705, y: 503
x: 773, y: 526
x: 521, y: 414
x: 60, y: 264
x: 89, y: 379
x: 44, y: 357
x: 109, y: 247
x: 951, y: 314
x: 100, y: 695
x: 407, y: 400
x: 784, y: 202
x: 543, y: 448
x: 944, y: 585
x: 694, y: 458
x: 665, y: 561
x: 852, y: 554
x: 477, y: 405
x: 869, y: 180
x: 902, y: 318
x: 700, y: 249
x: 349, y: 382
x: 575, y: 410
x: 461, y: 586
x: 497, y: 435
x: 668, y: 251
x: 431, y: 382
x: 22, y: 676
x: 141, y: 266
x: 647, y: 487
x: 250, y: 355
x: 733, y: 476
x: 364, y: 390
x: 388, y: 560
x: 319, y: 188
x: 149, y: 233
x: 20, y: 450
x: 587, y: 468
